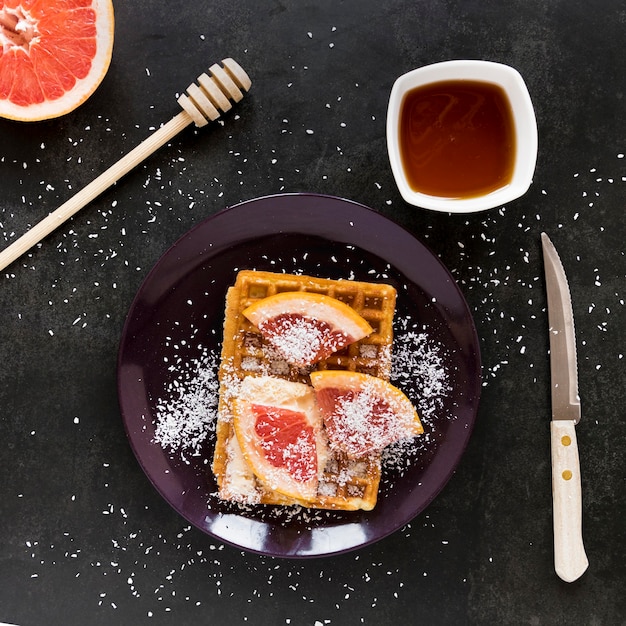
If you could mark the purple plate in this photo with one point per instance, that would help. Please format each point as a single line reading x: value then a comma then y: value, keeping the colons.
x: 176, y: 321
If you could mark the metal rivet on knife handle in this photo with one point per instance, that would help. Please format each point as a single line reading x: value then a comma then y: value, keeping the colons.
x: 570, y: 560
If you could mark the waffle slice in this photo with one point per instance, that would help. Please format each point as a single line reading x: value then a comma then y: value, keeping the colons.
x: 345, y: 484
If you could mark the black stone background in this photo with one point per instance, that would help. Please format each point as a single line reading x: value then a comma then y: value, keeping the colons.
x: 85, y: 539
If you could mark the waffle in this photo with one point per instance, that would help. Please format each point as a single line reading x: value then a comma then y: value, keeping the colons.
x: 345, y: 484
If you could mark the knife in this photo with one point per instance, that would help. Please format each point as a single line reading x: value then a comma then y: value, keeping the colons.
x: 570, y: 560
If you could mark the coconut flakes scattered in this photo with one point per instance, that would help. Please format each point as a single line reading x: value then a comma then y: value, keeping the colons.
x: 185, y: 419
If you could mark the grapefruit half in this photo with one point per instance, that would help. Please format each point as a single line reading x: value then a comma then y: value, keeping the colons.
x: 279, y: 431
x: 363, y: 414
x: 53, y: 55
x: 305, y: 327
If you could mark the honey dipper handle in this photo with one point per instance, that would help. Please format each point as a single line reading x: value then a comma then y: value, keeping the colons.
x: 94, y: 189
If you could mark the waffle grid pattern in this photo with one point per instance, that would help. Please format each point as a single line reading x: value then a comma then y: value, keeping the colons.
x: 347, y: 484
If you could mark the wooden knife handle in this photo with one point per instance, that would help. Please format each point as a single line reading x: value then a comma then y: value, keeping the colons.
x: 570, y: 560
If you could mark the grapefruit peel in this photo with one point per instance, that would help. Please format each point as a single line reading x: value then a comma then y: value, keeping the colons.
x: 363, y: 414
x: 279, y: 430
x: 53, y: 55
x: 306, y: 327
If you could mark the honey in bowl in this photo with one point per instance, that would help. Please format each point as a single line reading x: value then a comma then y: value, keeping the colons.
x: 457, y: 138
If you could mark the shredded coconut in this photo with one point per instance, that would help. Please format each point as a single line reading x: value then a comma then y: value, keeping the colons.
x: 302, y: 340
x: 187, y: 413
x: 186, y: 417
x: 418, y: 368
x: 362, y: 420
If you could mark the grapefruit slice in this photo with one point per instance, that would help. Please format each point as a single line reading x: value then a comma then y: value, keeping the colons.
x: 305, y: 327
x: 363, y: 414
x: 279, y: 430
x: 53, y: 55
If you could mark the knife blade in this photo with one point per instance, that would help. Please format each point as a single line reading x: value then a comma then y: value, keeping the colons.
x: 570, y: 559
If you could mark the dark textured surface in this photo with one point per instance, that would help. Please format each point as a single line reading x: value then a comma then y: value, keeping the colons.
x: 86, y: 539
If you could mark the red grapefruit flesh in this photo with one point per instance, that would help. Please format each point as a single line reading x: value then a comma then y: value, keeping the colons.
x: 363, y: 414
x: 305, y: 327
x: 279, y: 431
x: 53, y: 55
x: 287, y: 440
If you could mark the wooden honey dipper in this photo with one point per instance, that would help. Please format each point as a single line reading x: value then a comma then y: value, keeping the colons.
x: 202, y: 103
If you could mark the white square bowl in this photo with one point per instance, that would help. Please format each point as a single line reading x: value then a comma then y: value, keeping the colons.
x: 525, y: 128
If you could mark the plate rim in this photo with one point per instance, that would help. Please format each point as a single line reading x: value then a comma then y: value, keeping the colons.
x: 224, y: 214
